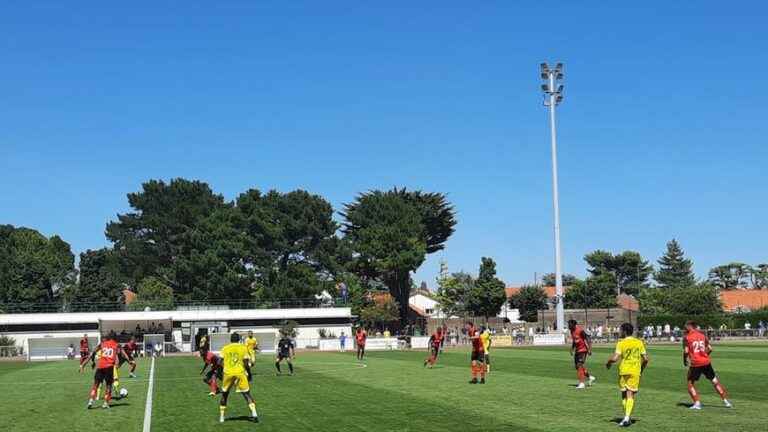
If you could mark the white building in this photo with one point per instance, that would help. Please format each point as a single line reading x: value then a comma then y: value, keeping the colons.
x: 47, y: 335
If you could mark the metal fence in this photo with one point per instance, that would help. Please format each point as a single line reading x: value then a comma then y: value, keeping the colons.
x: 208, y: 304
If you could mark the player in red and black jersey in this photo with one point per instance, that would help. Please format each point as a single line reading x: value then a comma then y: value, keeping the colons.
x: 478, y: 353
x: 85, y: 350
x: 214, y: 373
x: 581, y: 348
x: 360, y: 338
x: 435, y: 343
x: 108, y: 352
x: 696, y: 351
x: 131, y: 349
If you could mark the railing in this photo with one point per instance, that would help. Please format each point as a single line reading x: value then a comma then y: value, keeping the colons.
x: 208, y: 304
x: 11, y: 351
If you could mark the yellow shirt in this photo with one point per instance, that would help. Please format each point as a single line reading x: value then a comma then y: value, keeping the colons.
x: 234, y: 354
x: 485, y: 338
x: 632, y: 351
x: 387, y: 334
x: 252, y: 344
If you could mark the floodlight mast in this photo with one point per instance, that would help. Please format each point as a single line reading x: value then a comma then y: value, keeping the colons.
x: 553, y: 95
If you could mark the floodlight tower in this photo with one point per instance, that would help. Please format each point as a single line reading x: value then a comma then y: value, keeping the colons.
x: 553, y: 95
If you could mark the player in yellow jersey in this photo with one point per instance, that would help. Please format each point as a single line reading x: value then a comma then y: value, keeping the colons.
x: 235, y: 358
x: 252, y: 344
x: 485, y: 338
x: 630, y: 351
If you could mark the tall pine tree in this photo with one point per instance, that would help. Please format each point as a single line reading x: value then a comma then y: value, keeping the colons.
x: 675, y: 271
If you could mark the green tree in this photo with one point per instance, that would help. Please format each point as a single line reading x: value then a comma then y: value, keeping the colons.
x: 392, y: 232
x: 156, y: 233
x: 697, y: 299
x: 730, y: 276
x: 529, y: 301
x: 101, y: 279
x: 654, y: 301
x: 453, y: 292
x: 549, y: 279
x: 292, y: 242
x: 675, y: 271
x: 759, y: 276
x: 488, y: 293
x: 33, y: 268
x: 154, y: 294
x: 378, y: 314
x: 289, y: 328
x: 628, y: 270
x: 595, y: 292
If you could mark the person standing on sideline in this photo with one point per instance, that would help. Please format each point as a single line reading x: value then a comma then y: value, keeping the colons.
x: 342, y: 342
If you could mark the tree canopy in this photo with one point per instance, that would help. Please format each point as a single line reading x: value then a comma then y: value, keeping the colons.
x: 529, y: 301
x: 391, y: 233
x: 627, y: 272
x: 675, y: 271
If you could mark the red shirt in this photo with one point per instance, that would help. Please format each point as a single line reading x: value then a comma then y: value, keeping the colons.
x: 477, y: 344
x: 437, y: 339
x: 83, y: 345
x: 129, y: 348
x: 212, y: 359
x: 697, y: 342
x: 579, y: 340
x: 108, y: 357
x: 361, y: 336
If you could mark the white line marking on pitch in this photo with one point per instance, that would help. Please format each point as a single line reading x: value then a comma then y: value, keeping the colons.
x: 148, y: 406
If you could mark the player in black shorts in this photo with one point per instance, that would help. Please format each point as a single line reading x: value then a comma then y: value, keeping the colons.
x: 285, y: 351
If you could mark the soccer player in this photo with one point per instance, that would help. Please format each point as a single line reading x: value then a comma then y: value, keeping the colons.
x: 235, y: 356
x: 215, y: 363
x: 478, y: 353
x: 435, y: 341
x: 485, y: 338
x: 108, y: 352
x: 634, y: 359
x: 130, y: 348
x: 581, y: 348
x: 252, y: 344
x: 360, y: 337
x: 696, y: 351
x: 285, y: 351
x: 85, y: 351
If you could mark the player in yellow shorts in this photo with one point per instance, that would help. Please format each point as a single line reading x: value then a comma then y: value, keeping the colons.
x: 252, y: 344
x: 235, y: 358
x: 631, y: 352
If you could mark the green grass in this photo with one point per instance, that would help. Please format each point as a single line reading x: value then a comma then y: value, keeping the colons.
x: 529, y: 389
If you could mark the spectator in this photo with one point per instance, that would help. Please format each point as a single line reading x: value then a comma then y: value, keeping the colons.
x: 747, y: 329
x: 667, y: 331
x: 70, y: 352
x: 761, y: 328
x: 343, y: 291
x: 137, y: 331
x: 343, y: 342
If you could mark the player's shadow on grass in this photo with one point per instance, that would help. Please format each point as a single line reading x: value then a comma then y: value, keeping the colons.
x: 240, y: 418
x: 689, y: 405
x: 618, y: 420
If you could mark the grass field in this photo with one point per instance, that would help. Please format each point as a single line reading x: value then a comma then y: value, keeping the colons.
x: 529, y: 389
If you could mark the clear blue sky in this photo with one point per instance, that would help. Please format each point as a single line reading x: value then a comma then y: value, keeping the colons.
x: 662, y: 133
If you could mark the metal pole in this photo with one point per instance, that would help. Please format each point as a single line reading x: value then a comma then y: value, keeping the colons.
x: 556, y: 201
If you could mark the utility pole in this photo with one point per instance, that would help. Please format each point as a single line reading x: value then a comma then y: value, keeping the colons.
x: 553, y: 96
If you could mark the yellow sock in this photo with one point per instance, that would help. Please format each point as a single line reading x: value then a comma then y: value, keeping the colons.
x: 624, y: 403
x: 252, y: 406
x: 98, y: 393
x: 222, y: 409
x: 628, y: 407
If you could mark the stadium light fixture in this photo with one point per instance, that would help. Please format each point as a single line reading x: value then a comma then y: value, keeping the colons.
x: 553, y: 96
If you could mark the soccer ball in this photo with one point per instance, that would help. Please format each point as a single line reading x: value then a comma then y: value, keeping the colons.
x: 123, y: 392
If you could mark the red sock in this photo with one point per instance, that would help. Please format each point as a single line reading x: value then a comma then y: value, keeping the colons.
x: 692, y: 391
x: 133, y: 367
x: 94, y: 389
x: 108, y: 396
x: 719, y: 389
x: 580, y: 373
x: 213, y: 386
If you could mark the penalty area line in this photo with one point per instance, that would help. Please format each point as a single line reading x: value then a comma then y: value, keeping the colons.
x: 148, y: 406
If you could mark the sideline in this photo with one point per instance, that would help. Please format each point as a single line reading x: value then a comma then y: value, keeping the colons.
x: 148, y: 406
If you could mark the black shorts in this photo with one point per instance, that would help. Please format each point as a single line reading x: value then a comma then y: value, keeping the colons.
x: 84, y: 355
x: 478, y: 356
x: 579, y: 359
x: 105, y: 375
x: 214, y: 372
x: 283, y: 356
x: 694, y: 373
x: 435, y: 350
